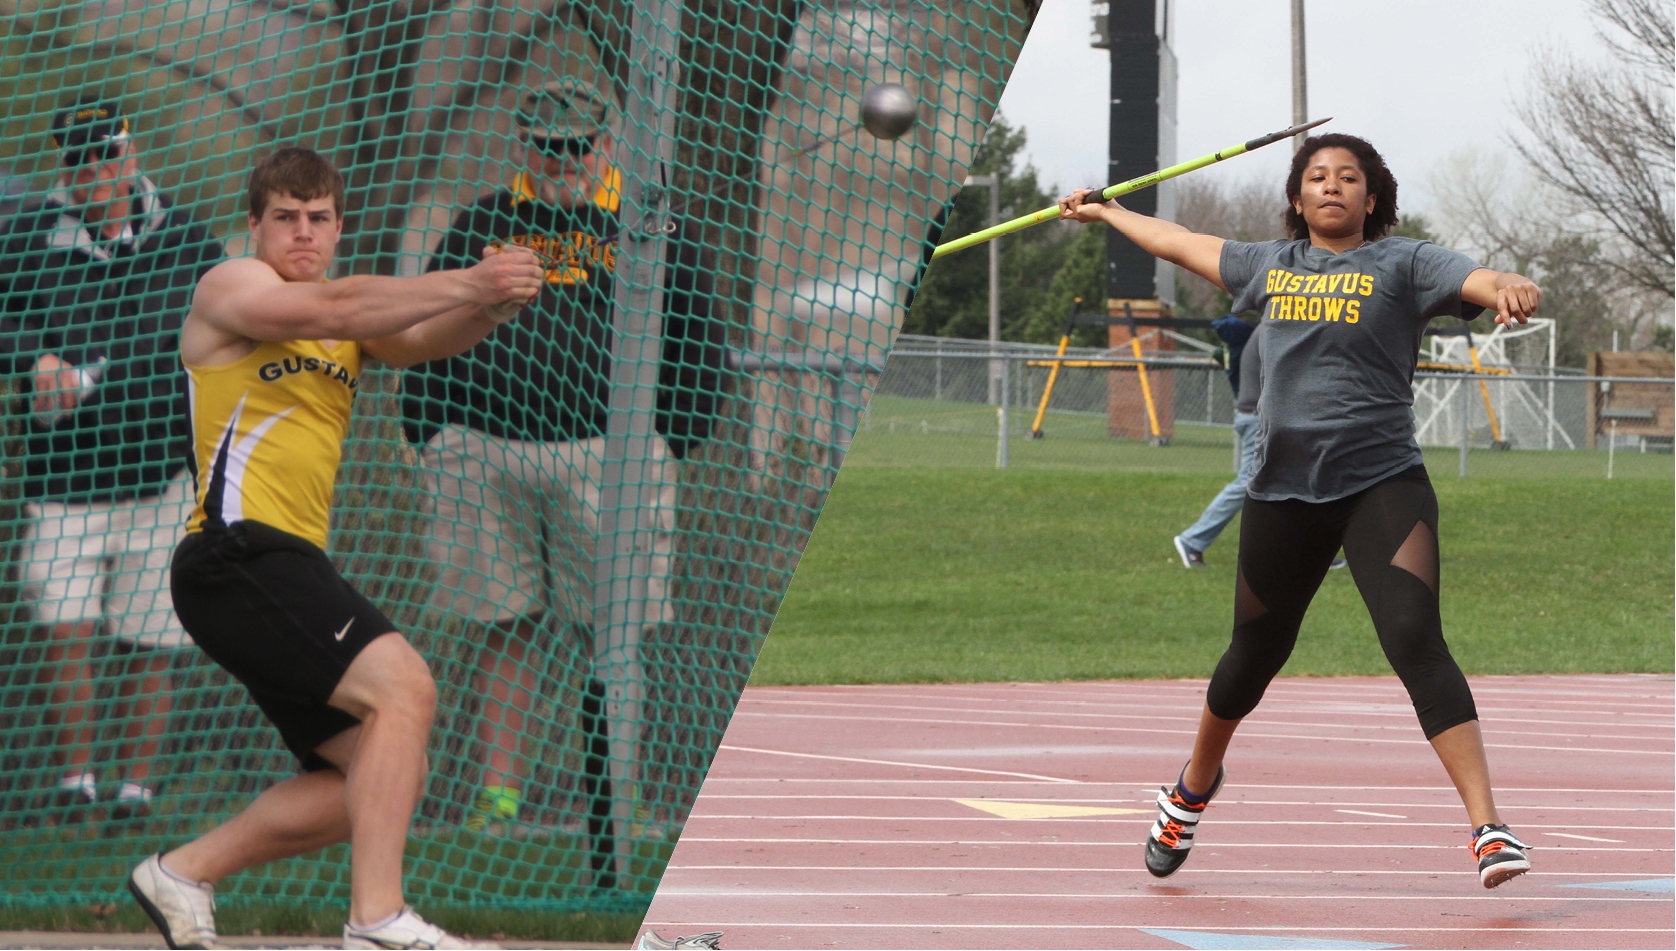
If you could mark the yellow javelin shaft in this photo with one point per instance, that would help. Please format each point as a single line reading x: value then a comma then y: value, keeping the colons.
x: 1117, y: 191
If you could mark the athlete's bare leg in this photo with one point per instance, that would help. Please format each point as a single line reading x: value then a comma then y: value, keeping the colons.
x: 389, y: 687
x: 299, y: 815
x: 1461, y: 748
x: 1209, y: 747
x: 370, y: 801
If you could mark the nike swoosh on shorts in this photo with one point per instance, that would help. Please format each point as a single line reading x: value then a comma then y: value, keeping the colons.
x: 344, y: 630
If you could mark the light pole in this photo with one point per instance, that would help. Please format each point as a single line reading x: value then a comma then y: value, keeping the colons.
x: 995, y: 368
x: 1300, y: 74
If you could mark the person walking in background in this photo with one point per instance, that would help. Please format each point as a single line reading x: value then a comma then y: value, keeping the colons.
x: 94, y: 283
x: 1245, y: 375
x: 513, y: 431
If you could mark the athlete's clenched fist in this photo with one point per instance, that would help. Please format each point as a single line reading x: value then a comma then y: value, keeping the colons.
x: 510, y: 277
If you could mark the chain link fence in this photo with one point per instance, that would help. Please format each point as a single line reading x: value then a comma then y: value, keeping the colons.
x: 933, y: 407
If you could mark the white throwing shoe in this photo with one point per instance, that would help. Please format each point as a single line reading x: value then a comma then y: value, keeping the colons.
x: 407, y: 930
x: 708, y: 941
x: 184, y: 911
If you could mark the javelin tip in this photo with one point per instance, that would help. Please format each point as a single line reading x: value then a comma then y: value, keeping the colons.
x: 1274, y: 137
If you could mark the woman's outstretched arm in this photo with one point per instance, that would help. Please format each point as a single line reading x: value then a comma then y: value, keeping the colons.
x: 1199, y: 253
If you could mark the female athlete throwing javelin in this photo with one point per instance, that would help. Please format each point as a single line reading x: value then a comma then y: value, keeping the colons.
x: 1336, y: 461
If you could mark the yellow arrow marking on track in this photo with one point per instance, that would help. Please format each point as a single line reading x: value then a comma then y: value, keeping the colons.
x: 1044, y: 810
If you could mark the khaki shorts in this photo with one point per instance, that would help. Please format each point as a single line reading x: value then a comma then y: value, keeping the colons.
x: 108, y: 561
x: 514, y: 523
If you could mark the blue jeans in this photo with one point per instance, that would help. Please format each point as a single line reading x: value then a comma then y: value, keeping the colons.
x: 1227, y: 503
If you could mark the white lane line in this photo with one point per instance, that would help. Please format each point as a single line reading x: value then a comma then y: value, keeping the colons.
x: 1606, y: 686
x: 1406, y: 716
x: 737, y: 894
x: 1220, y: 822
x: 1377, y: 815
x: 675, y: 870
x: 882, y: 762
x: 1652, y: 701
x: 1313, y: 696
x: 1384, y: 846
x: 1525, y: 928
x: 1585, y: 838
x: 1114, y: 691
x: 1636, y: 702
x: 1153, y: 784
x: 1247, y: 734
x: 1108, y: 801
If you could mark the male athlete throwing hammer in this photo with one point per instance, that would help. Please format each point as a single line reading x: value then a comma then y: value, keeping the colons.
x: 274, y: 356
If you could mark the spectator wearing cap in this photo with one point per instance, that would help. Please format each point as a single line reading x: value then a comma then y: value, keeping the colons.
x: 512, y: 431
x: 94, y: 283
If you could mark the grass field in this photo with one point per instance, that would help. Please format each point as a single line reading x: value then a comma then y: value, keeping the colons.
x: 971, y: 575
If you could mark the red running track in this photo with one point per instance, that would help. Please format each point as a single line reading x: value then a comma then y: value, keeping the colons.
x: 1012, y: 816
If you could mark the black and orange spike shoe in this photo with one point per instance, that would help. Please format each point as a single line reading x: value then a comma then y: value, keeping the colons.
x: 1501, y: 857
x: 1172, y: 835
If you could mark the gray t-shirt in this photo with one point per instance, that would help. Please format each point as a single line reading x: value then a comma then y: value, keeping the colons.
x: 1342, y: 336
x: 1251, y: 376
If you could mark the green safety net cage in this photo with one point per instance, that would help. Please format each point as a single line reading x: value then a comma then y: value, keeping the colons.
x: 589, y: 644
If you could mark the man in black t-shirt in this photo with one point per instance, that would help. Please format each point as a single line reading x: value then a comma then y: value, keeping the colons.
x: 513, y: 431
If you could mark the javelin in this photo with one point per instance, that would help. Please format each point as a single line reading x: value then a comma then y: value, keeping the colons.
x: 1115, y: 191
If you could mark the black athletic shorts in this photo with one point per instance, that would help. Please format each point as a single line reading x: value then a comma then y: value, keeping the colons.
x: 270, y: 608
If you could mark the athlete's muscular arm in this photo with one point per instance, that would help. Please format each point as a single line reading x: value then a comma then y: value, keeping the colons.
x: 1199, y: 253
x: 451, y: 332
x: 1513, y: 297
x: 245, y: 299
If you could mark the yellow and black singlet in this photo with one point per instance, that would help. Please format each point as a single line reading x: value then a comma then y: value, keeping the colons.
x: 267, y: 434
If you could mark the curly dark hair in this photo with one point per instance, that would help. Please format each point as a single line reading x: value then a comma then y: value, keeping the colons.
x: 1381, y: 184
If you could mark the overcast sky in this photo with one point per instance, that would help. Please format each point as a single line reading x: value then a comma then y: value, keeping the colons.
x: 1420, y: 79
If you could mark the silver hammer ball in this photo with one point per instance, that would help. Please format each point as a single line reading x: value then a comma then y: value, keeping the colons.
x: 888, y: 110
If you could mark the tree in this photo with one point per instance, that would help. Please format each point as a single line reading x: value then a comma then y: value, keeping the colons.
x: 1414, y: 226
x: 1602, y: 137
x: 1242, y: 210
x: 1081, y: 274
x: 1512, y: 223
x: 952, y: 299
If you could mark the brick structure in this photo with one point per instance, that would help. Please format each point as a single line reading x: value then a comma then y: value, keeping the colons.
x: 1126, y: 415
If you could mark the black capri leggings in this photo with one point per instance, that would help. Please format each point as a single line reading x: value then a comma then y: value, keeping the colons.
x: 1389, y: 535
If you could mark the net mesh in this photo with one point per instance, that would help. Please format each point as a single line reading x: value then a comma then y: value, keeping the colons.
x: 590, y: 591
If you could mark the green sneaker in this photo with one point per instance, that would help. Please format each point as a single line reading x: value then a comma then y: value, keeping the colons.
x: 494, y: 803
